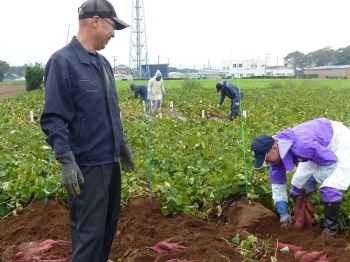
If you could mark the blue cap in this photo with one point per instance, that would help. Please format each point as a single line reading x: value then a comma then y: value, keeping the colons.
x: 261, y: 145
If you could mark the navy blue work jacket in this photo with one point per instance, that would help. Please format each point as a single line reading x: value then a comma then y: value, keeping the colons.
x: 231, y: 91
x: 76, y: 116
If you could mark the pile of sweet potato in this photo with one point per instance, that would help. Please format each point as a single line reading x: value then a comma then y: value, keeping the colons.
x: 306, y: 256
x: 303, y: 211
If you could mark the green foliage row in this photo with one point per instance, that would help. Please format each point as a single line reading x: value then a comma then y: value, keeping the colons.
x: 27, y: 168
x: 13, y: 83
x: 193, y: 163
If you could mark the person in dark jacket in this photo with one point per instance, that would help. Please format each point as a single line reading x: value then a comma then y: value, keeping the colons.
x: 234, y: 93
x: 81, y: 119
x: 139, y: 90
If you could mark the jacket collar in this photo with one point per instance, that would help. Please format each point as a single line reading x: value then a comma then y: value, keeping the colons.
x: 81, y: 52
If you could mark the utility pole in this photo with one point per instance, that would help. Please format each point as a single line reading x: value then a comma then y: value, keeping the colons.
x: 267, y: 61
x: 277, y: 60
x: 115, y: 59
x: 158, y: 61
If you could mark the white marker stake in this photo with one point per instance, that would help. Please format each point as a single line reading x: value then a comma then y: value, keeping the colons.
x: 144, y: 105
x: 171, y: 106
x: 200, y: 101
x: 160, y: 115
x: 203, y: 113
x: 244, y: 113
x: 31, y: 116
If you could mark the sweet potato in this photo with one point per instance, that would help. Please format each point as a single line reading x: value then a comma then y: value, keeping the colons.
x: 322, y: 258
x: 38, y: 251
x: 158, y: 249
x: 308, y: 218
x: 51, y: 242
x: 297, y: 207
x: 311, y: 256
x: 165, y: 246
x: 309, y: 206
x: 290, y: 246
x: 56, y: 260
x: 299, y: 223
x: 19, y: 255
x: 299, y: 254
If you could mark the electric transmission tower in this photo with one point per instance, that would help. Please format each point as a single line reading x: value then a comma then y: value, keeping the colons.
x: 138, y: 40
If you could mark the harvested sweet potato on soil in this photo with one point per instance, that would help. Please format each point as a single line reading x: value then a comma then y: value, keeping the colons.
x: 290, y: 246
x: 168, y: 246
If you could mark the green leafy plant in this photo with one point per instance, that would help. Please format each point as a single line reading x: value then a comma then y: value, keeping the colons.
x: 34, y: 76
x: 195, y: 163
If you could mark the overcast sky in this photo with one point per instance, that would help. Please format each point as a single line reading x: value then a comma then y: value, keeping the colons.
x: 185, y: 33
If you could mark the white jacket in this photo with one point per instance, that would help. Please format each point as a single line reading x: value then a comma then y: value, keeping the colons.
x: 156, y: 88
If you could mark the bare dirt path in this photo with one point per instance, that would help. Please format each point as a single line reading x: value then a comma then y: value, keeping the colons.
x: 9, y: 91
x: 141, y: 226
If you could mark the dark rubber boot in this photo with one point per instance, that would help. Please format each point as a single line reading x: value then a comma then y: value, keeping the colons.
x: 331, y: 216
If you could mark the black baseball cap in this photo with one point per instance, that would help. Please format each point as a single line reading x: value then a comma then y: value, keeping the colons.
x: 261, y: 145
x: 218, y: 87
x: 101, y: 8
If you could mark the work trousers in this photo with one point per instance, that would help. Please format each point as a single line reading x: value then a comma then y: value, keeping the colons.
x: 95, y: 212
x: 156, y: 104
x: 234, y: 109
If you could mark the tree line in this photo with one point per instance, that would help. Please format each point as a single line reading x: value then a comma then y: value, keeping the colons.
x: 6, y: 68
x: 326, y: 56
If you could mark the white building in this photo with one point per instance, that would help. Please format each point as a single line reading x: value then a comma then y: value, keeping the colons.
x: 175, y: 75
x: 254, y: 67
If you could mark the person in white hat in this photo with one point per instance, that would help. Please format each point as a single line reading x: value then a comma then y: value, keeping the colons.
x: 156, y: 90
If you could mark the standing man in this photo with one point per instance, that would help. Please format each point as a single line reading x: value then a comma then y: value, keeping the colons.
x: 322, y: 149
x: 139, y: 90
x: 156, y: 90
x: 234, y: 93
x: 81, y: 119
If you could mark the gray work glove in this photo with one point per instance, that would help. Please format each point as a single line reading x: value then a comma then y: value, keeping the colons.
x: 70, y: 173
x: 126, y: 156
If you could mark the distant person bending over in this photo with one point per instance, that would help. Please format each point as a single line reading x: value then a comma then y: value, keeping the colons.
x: 321, y: 148
x: 234, y: 93
x: 81, y: 119
x: 139, y: 90
x: 156, y: 90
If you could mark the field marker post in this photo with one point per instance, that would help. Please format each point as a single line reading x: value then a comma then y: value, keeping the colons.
x: 31, y: 116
